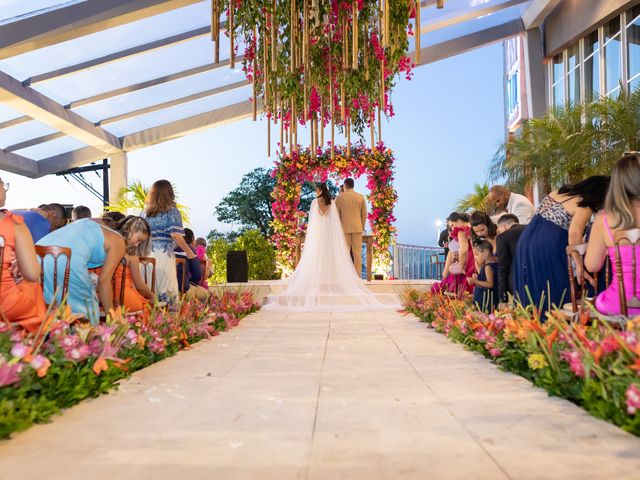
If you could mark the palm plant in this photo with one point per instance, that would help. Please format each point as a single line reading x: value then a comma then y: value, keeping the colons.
x: 132, y: 197
x: 476, y: 200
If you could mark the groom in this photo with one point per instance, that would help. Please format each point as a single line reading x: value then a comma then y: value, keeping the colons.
x: 352, y: 208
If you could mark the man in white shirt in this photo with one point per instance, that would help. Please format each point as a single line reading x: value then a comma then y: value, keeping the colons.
x: 514, y: 203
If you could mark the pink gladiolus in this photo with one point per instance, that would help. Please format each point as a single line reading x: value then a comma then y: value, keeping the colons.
x: 632, y: 397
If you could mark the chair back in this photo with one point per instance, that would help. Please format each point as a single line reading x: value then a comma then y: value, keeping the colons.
x: 146, y: 264
x: 181, y: 262
x: 2, y: 244
x: 203, y: 267
x: 576, y: 253
x: 55, y: 252
x: 628, y: 238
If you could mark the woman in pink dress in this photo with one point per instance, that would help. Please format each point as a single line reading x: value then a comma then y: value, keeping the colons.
x: 460, y: 263
x: 621, y: 213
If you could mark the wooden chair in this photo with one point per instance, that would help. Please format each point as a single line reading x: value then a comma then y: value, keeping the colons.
x: 182, y: 262
x: 145, y: 263
x: 55, y: 252
x: 118, y: 300
x: 578, y: 287
x: 2, y: 245
x: 630, y: 238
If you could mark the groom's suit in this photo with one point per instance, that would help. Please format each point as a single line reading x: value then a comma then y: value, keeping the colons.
x: 352, y: 208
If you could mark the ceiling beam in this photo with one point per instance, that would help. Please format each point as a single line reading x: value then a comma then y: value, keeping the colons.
x: 450, y: 48
x: 471, y: 14
x: 65, y: 161
x: 34, y: 141
x: 14, y: 163
x: 172, y: 103
x: 180, y: 128
x: 537, y: 11
x: 120, y: 55
x: 152, y: 83
x: 15, y: 121
x: 40, y: 107
x: 69, y: 21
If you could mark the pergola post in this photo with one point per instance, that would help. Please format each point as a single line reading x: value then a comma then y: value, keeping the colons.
x: 118, y: 175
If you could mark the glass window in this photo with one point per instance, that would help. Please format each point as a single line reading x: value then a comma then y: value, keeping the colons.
x: 612, y: 55
x: 633, y: 48
x: 591, y: 44
x: 558, y: 80
x: 633, y: 14
x: 574, y: 86
x: 592, y: 78
x: 558, y: 94
x: 634, y: 83
x: 573, y: 57
x: 558, y: 68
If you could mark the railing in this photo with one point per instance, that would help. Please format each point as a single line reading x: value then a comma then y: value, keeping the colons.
x: 413, y: 262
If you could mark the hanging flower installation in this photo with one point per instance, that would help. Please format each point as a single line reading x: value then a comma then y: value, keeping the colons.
x: 295, y: 168
x: 319, y: 63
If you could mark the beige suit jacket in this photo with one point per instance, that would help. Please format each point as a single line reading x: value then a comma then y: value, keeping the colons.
x: 352, y: 208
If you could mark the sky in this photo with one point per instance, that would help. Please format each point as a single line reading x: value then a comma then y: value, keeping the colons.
x: 448, y: 123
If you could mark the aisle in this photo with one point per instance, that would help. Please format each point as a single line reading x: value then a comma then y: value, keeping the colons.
x: 323, y: 397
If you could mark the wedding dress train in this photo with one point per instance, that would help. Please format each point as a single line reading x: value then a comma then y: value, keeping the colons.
x: 325, y: 279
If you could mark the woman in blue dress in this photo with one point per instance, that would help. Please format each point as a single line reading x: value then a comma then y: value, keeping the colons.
x: 92, y: 245
x: 540, y: 264
x: 166, y: 232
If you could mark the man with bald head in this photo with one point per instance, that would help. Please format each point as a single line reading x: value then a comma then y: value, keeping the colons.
x: 513, y: 203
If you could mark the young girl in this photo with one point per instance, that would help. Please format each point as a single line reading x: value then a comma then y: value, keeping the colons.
x: 460, y: 262
x: 485, y: 294
x: 201, y: 253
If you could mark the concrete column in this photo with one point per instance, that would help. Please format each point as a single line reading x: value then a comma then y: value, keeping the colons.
x: 534, y: 74
x: 118, y: 174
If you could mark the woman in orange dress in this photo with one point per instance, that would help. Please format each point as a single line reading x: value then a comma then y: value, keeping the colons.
x: 136, y: 233
x: 21, y: 299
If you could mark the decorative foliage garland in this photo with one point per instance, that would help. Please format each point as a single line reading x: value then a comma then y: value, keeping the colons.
x: 320, y: 62
x: 293, y: 169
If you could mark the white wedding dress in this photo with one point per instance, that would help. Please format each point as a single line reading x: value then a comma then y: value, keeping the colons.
x: 325, y: 279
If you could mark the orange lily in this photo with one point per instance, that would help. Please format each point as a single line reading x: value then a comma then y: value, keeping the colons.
x: 552, y: 338
x: 100, y: 365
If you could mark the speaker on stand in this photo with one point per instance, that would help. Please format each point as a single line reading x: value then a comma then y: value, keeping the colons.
x: 237, y: 267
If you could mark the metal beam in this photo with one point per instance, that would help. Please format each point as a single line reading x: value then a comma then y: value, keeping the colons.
x: 15, y: 121
x: 65, y: 161
x: 151, y: 83
x: 42, y: 108
x: 537, y: 11
x: 14, y: 163
x: 180, y: 128
x: 173, y: 103
x: 426, y: 27
x: 122, y: 54
x: 450, y: 48
x: 69, y: 21
x: 34, y: 141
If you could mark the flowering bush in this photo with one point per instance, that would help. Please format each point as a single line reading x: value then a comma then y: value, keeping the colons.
x: 592, y: 365
x: 62, y: 364
x: 292, y: 170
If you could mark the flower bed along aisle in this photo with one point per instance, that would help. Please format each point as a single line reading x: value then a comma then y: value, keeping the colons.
x: 62, y: 365
x: 594, y: 365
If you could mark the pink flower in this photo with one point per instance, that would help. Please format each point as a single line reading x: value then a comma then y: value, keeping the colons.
x: 78, y: 354
x: 20, y: 350
x: 9, y: 373
x: 633, y: 399
x: 609, y: 344
x: 495, y: 352
x: 574, y: 361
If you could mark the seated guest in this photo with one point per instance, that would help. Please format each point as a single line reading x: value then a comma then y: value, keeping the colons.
x: 191, y: 284
x: 57, y: 215
x: 21, y: 299
x: 136, y: 233
x: 80, y: 212
x: 460, y: 263
x: 514, y: 203
x: 540, y: 264
x: 485, y: 293
x: 112, y: 218
x: 509, y: 231
x: 42, y: 220
x: 621, y: 213
x: 92, y: 245
x: 201, y: 253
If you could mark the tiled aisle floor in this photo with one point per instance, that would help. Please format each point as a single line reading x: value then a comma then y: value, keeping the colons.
x: 323, y: 396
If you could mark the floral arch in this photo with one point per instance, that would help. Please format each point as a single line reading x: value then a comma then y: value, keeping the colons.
x: 293, y: 169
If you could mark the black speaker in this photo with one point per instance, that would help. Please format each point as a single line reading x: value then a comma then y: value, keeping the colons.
x: 237, y: 267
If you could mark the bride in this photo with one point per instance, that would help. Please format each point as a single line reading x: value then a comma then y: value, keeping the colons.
x: 325, y: 279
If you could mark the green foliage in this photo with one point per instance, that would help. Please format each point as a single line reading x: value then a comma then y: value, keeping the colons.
x: 261, y: 255
x: 477, y: 200
x: 248, y: 206
x: 569, y: 144
x: 131, y: 201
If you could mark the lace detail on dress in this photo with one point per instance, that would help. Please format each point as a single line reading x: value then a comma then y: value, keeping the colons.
x: 555, y: 212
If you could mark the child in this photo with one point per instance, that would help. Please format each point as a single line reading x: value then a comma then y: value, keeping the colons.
x: 485, y: 294
x: 201, y: 253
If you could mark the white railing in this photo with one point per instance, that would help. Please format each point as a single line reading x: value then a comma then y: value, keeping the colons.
x: 413, y: 262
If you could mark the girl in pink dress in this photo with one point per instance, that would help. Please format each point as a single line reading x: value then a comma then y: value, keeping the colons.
x: 622, y: 213
x: 460, y: 262
x: 201, y: 253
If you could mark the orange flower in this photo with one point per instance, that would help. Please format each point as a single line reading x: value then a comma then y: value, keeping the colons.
x: 100, y: 365
x: 552, y: 338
